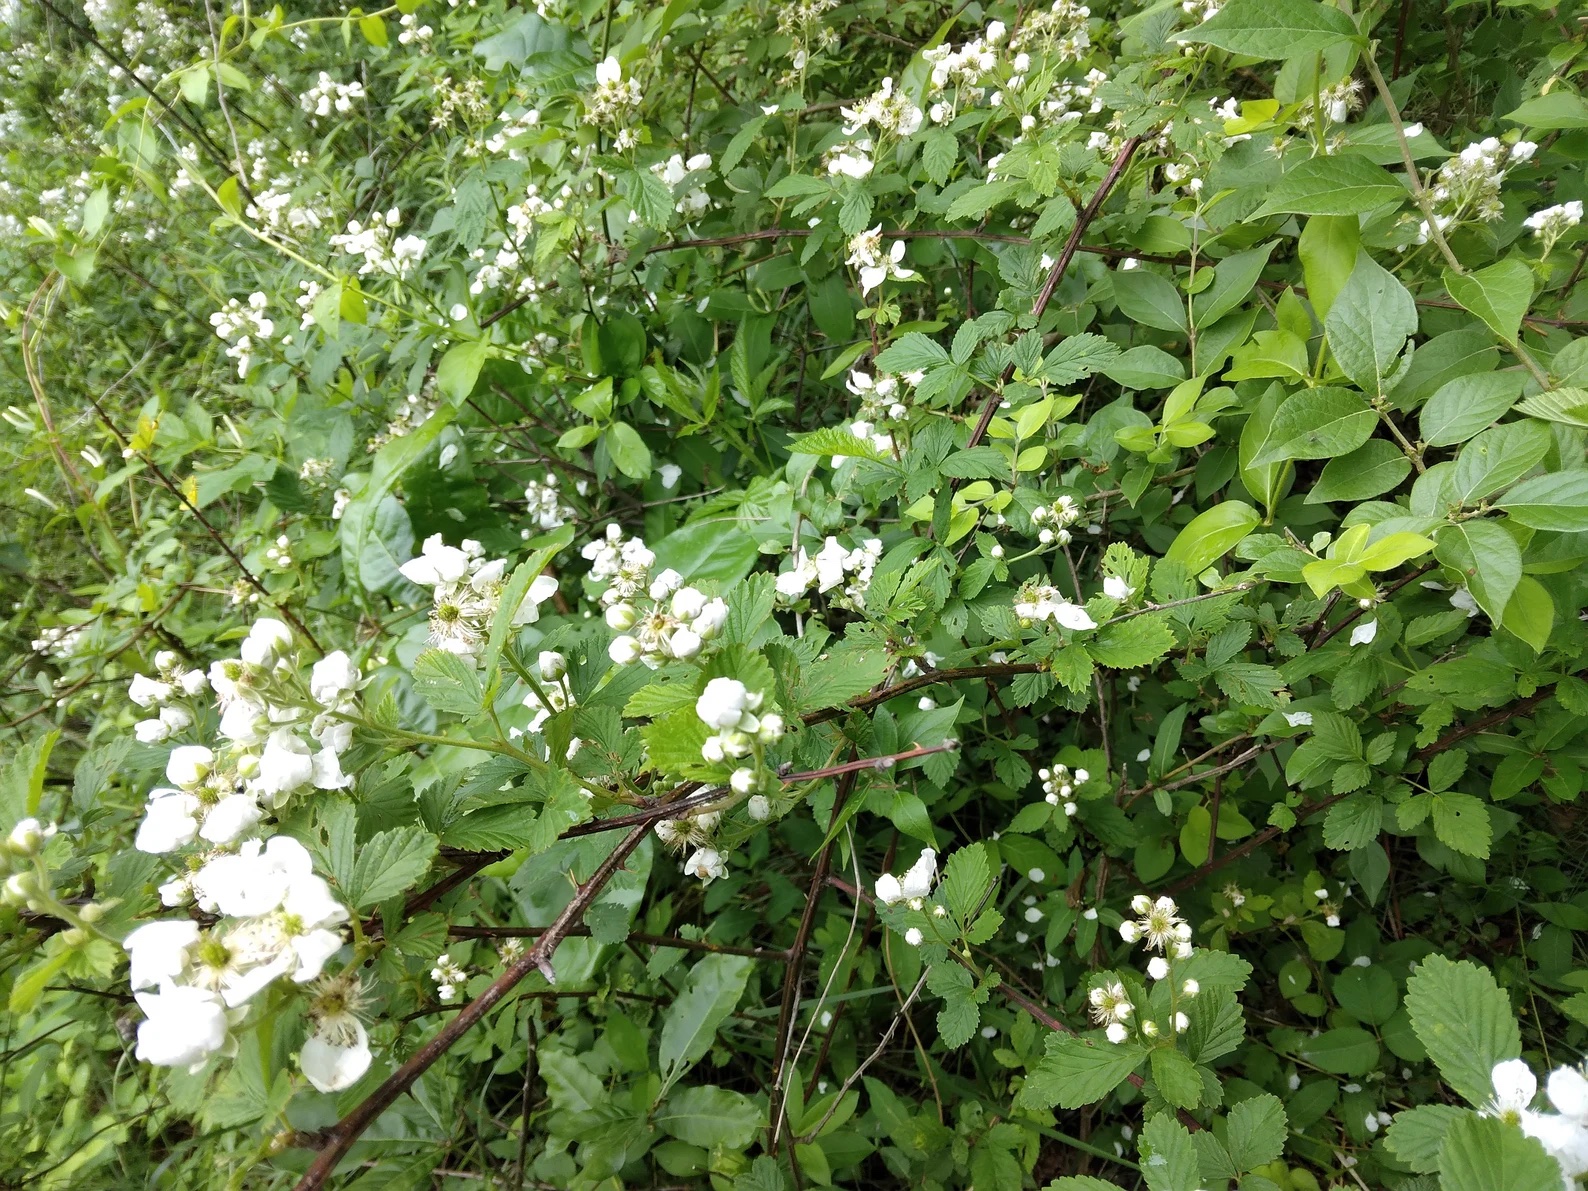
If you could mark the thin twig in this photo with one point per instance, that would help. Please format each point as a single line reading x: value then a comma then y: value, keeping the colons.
x: 345, y: 1132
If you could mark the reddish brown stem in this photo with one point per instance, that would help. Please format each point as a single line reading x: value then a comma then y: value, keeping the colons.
x: 344, y: 1133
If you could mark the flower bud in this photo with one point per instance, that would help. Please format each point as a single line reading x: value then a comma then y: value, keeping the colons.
x: 744, y: 780
x: 621, y: 617
x: 758, y: 808
x: 624, y: 650
x: 552, y: 665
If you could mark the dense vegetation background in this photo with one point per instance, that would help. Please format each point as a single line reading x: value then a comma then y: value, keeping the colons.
x: 776, y: 595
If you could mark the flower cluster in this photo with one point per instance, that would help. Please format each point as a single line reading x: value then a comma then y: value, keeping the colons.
x: 1042, y: 601
x: 1060, y: 29
x: 281, y: 735
x: 624, y: 564
x: 850, y: 159
x: 546, y: 509
x: 277, y: 918
x: 1159, y: 925
x: 875, y: 266
x: 678, y: 623
x: 327, y: 96
x: 892, y: 113
x: 1550, y: 224
x: 513, y: 128
x: 879, y: 398
x: 675, y: 170
x: 375, y: 243
x: 467, y: 590
x: 1058, y: 785
x: 1053, y: 521
x: 240, y: 326
x: 1467, y: 185
x: 832, y: 565
x: 164, y: 693
x: 613, y: 100
x: 60, y: 640
x: 277, y: 210
x: 1563, y: 1133
x: 449, y: 976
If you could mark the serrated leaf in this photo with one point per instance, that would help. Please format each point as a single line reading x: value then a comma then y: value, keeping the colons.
x: 1464, y: 1021
x: 389, y: 863
x: 447, y: 682
x: 1076, y: 1071
x: 1337, y: 184
x: 1274, y: 28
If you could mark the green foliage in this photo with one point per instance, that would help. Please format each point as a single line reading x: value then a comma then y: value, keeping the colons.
x: 1137, y: 455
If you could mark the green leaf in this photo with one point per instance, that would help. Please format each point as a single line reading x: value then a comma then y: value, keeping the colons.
x: 710, y: 1116
x: 912, y: 352
x: 966, y: 877
x: 690, y: 1023
x: 1499, y: 457
x: 1555, y: 502
x: 1354, y: 823
x: 1257, y: 1129
x: 1339, y: 184
x: 1488, y: 1154
x: 628, y: 450
x: 1132, y: 643
x: 1377, y: 466
x: 1212, y: 534
x: 527, y: 35
x: 1464, y: 1022
x: 447, y: 682
x: 1318, y: 424
x: 460, y: 369
x: 1075, y: 1071
x: 1348, y: 1050
x: 1370, y: 321
x: 388, y: 864
x: 1487, y: 558
x: 649, y: 197
x: 30, y: 984
x: 1558, y: 109
x: 1466, y: 405
x: 1233, y: 280
x: 1176, y: 1077
x: 1569, y: 407
x: 958, y: 1018
x: 1328, y: 249
x: 1149, y: 299
x: 513, y: 594
x: 832, y: 441
x: 1530, y: 613
x: 1274, y: 29
x: 1415, y: 1135
x: 1367, y: 994
x: 1499, y: 295
x: 1168, y: 1156
x: 22, y: 778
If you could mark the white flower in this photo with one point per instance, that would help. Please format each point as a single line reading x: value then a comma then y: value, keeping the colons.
x: 913, y: 936
x: 230, y: 818
x: 1462, y: 598
x: 188, y: 765
x: 1568, y: 1092
x: 1299, y: 719
x: 1116, y: 588
x: 725, y: 704
x: 707, y: 864
x: 1363, y: 634
x: 336, y: 1055
x: 918, y: 881
x: 184, y: 1027
x: 609, y: 71
x: 1515, y: 1085
x: 1157, y: 967
x: 333, y: 676
x: 146, y: 691
x: 1073, y: 617
x: 437, y: 563
x: 158, y: 951
x: 284, y: 766
x: 669, y: 474
x: 1116, y: 1033
x: 541, y: 589
x: 889, y: 890
x: 328, y: 773
x: 170, y: 820
x: 266, y: 641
